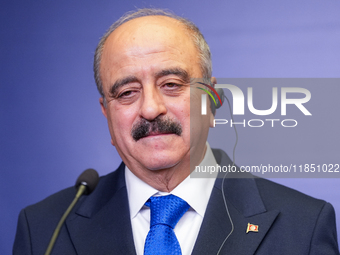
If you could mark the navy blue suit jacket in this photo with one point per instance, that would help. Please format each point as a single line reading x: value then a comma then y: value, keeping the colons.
x: 289, y: 222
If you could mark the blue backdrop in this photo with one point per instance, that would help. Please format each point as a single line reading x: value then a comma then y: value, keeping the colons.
x: 51, y: 125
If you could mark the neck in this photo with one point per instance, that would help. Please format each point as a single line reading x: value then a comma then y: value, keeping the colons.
x: 165, y: 179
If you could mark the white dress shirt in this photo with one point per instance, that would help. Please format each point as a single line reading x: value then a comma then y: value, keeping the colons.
x: 195, y: 191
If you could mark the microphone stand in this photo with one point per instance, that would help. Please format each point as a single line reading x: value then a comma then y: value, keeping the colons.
x: 80, y: 192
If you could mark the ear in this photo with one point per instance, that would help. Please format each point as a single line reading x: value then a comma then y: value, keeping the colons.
x: 101, y: 101
x: 212, y: 120
x: 213, y: 81
x: 104, y: 111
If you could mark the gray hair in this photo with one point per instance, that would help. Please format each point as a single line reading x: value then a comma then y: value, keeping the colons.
x: 194, y: 32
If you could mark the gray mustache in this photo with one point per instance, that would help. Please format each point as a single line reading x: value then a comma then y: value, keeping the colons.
x: 159, y: 125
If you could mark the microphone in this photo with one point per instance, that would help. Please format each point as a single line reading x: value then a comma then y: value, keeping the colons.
x: 89, y: 178
x: 85, y: 184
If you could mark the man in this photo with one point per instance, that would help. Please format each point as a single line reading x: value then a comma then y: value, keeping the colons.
x: 144, y: 68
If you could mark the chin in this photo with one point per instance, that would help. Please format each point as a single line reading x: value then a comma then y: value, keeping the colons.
x: 159, y: 161
x: 161, y: 152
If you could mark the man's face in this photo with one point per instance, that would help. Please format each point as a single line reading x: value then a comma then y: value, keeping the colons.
x: 146, y: 68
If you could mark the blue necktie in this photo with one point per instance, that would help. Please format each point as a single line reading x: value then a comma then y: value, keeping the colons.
x: 165, y: 213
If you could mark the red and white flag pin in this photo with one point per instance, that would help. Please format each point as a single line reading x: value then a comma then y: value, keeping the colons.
x: 252, y: 228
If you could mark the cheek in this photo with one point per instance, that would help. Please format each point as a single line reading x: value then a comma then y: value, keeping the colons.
x: 199, y: 124
x: 180, y: 111
x: 121, y: 120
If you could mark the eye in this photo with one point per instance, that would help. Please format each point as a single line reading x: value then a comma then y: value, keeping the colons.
x: 173, y: 89
x: 126, y: 94
x: 172, y: 85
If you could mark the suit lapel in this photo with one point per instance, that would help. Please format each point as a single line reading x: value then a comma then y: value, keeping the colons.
x: 244, y: 205
x: 101, y: 224
x: 215, y: 226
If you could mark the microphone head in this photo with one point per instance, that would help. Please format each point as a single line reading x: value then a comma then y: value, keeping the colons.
x: 89, y: 178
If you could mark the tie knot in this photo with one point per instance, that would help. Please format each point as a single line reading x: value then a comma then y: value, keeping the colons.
x: 166, y: 210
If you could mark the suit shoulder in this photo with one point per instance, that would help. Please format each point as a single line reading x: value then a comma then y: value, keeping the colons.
x: 276, y: 195
x: 58, y: 202
x: 52, y: 207
x: 37, y: 222
x: 313, y: 218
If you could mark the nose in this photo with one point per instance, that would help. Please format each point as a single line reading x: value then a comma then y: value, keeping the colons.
x: 153, y: 103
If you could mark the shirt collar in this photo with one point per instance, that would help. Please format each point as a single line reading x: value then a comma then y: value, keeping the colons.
x: 195, y: 191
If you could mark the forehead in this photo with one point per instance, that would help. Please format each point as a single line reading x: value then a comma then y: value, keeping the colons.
x: 159, y: 38
x: 148, y: 30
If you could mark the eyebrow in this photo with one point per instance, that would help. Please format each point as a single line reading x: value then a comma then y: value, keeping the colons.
x: 121, y: 82
x: 129, y: 79
x: 175, y: 71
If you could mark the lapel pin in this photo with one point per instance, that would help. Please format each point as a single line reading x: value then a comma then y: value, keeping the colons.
x: 252, y: 228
